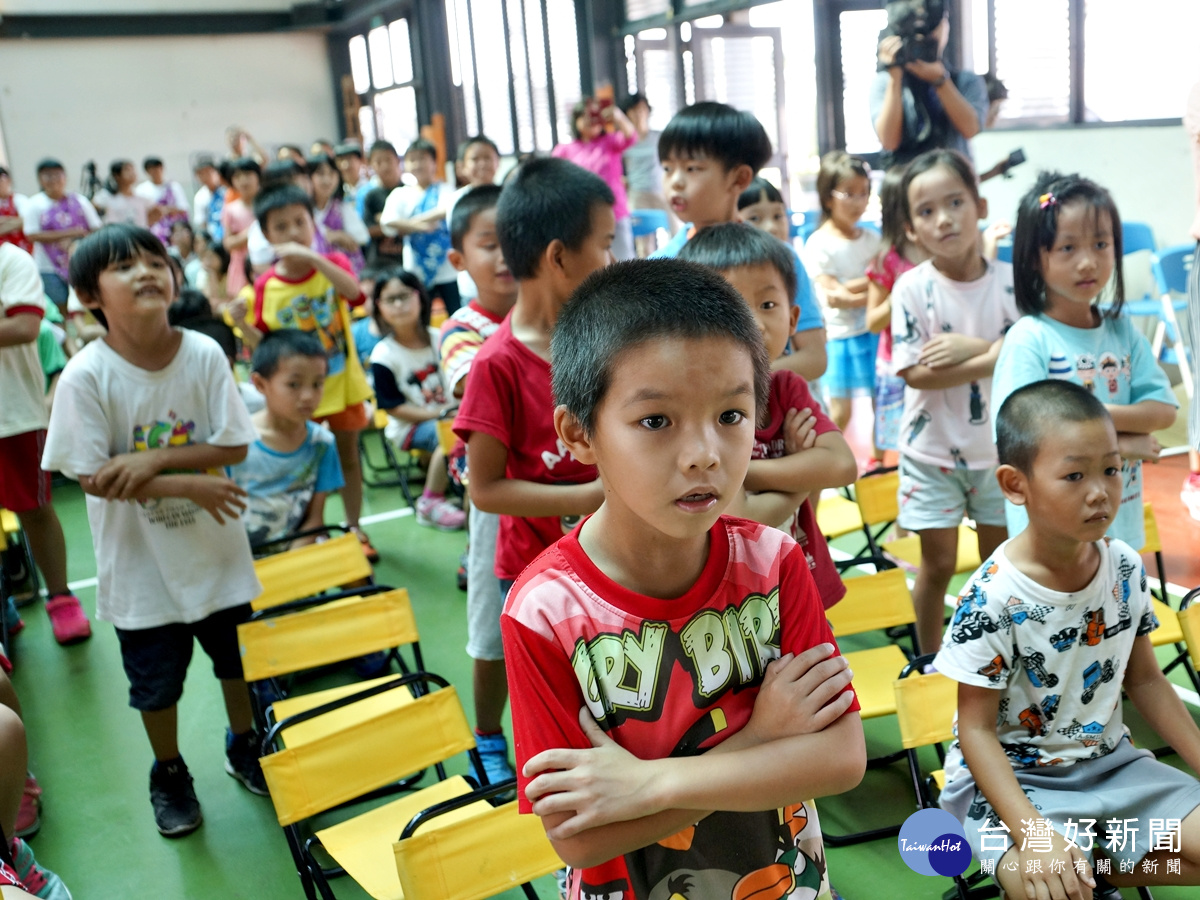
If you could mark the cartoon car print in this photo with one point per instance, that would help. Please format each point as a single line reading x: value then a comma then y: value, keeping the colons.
x: 1022, y: 754
x: 1064, y: 639
x: 1094, y: 676
x: 1093, y: 632
x: 1031, y: 718
x: 1035, y: 668
x: 994, y: 669
x: 1050, y: 706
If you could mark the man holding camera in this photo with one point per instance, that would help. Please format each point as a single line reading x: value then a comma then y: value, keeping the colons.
x: 917, y: 103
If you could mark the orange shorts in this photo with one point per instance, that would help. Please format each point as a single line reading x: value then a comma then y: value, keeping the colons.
x: 352, y: 418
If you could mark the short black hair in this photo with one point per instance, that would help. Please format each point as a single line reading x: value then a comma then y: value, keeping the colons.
x: 420, y: 145
x: 1028, y: 412
x: 117, y: 166
x: 756, y: 191
x: 244, y: 164
x: 633, y: 100
x: 215, y: 329
x: 348, y: 148
x: 546, y: 200
x: 190, y: 304
x: 629, y: 303
x: 151, y: 161
x: 277, y: 197
x: 100, y: 249
x: 472, y: 141
x: 203, y: 161
x: 280, y: 171
x: 736, y: 245
x: 730, y: 136
x: 469, y: 205
x: 1037, y: 228
x: 382, y: 146
x: 281, y: 344
x: 48, y: 163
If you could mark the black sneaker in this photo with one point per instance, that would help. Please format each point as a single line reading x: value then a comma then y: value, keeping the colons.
x: 241, y: 761
x: 176, y: 809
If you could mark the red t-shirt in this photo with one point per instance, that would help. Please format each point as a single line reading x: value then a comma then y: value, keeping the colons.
x: 790, y: 391
x: 508, y: 396
x: 666, y: 678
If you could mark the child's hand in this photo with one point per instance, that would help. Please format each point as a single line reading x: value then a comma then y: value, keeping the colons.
x: 801, y: 694
x: 799, y: 430
x: 992, y: 235
x: 237, y: 309
x: 951, y: 349
x: 122, y: 476
x: 599, y: 786
x: 293, y: 250
x: 1054, y: 874
x: 1139, y: 446
x: 218, y: 496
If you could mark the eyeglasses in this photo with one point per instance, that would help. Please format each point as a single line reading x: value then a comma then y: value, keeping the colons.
x: 397, y: 299
x: 842, y: 195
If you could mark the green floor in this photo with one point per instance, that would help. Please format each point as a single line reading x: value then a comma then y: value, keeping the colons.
x: 90, y: 754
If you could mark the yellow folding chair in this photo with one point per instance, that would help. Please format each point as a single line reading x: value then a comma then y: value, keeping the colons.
x: 398, y: 468
x: 1169, y: 631
x: 311, y: 570
x: 312, y: 775
x: 18, y: 573
x: 874, y: 603
x: 870, y: 508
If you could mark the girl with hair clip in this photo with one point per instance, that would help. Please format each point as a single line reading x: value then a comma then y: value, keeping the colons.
x: 408, y: 386
x: 1066, y: 248
x: 897, y: 254
x: 339, y: 226
x: 762, y: 206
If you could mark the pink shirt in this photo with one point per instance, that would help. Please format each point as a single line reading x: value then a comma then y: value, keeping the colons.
x: 603, y: 157
x: 236, y: 217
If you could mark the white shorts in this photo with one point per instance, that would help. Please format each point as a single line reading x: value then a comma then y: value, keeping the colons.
x: 485, y: 600
x: 938, y: 497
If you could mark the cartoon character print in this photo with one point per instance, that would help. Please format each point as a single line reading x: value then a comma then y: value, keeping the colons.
x: 1034, y: 662
x: 428, y: 380
x: 993, y: 671
x: 917, y: 425
x: 978, y: 407
x: 970, y: 621
x: 1064, y: 640
x: 319, y: 315
x: 610, y: 890
x: 795, y: 874
x: 1093, y: 627
x: 911, y: 332
x: 960, y: 461
x: 1059, y: 367
x: 1110, y: 368
x: 1085, y: 368
x: 1094, y: 676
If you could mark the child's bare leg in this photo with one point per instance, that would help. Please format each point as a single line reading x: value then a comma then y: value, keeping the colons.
x: 839, y: 410
x: 162, y: 728
x: 990, y: 537
x: 13, y: 753
x: 1188, y: 857
x: 437, y: 479
x: 8, y: 696
x: 352, y: 492
x: 49, y: 547
x: 490, y: 684
x: 939, y: 552
x: 237, y: 705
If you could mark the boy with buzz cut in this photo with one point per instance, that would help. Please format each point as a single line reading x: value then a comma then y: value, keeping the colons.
x: 710, y: 152
x: 680, y: 696
x: 477, y: 252
x: 146, y: 420
x: 313, y: 292
x: 797, y: 448
x: 293, y: 466
x: 1048, y: 633
x: 555, y: 224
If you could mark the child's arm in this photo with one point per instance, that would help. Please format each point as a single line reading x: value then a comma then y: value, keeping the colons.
x: 808, y: 358
x: 977, y: 711
x: 768, y: 507
x: 216, y: 494
x: 1156, y: 700
x: 126, y: 475
x: 410, y: 412
x: 343, y: 281
x: 314, y: 517
x: 950, y: 349
x: 926, y: 378
x: 843, y: 295
x: 1145, y: 417
x: 492, y: 492
x: 236, y: 240
x: 879, y: 307
x: 829, y: 462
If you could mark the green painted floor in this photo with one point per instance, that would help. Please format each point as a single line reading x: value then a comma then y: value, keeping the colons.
x: 90, y: 754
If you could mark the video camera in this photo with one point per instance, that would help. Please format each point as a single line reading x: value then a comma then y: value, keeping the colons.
x: 914, y: 22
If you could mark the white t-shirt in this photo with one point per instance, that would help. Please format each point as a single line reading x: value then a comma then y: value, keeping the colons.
x: 162, y: 560
x: 154, y: 193
x: 200, y: 204
x: 39, y: 204
x: 950, y: 427
x: 401, y: 204
x: 415, y: 377
x: 828, y: 253
x: 1058, y: 658
x: 22, y: 384
x: 124, y: 209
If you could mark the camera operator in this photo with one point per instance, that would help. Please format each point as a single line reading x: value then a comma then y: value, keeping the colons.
x: 917, y: 102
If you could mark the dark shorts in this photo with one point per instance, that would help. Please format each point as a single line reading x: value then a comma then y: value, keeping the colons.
x: 156, y: 659
x: 24, y: 485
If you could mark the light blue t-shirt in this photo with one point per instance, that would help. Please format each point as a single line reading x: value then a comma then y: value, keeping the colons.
x: 810, y: 312
x: 281, y: 485
x: 1113, y: 361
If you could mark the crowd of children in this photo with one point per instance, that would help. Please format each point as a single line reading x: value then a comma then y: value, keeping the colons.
x: 642, y: 447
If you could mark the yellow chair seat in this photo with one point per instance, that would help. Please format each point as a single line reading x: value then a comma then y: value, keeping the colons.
x: 1189, y: 624
x: 8, y: 522
x: 380, y: 419
x: 446, y: 436
x: 939, y: 778
x: 309, y: 570
x: 340, y: 719
x: 874, y: 671
x: 1168, y: 630
x: 474, y: 858
x: 837, y: 516
x: 908, y: 550
x: 363, y: 845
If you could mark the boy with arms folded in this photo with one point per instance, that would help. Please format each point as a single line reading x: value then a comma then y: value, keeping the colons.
x: 1046, y: 636
x: 681, y: 696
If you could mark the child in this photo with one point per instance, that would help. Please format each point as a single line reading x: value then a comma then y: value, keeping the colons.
x: 897, y: 254
x: 949, y: 316
x: 836, y: 256
x: 1068, y: 242
x: 798, y: 449
x: 339, y: 226
x: 385, y: 249
x: 478, y: 161
x: 293, y: 466
x: 146, y: 420
x: 120, y: 204
x: 1047, y: 634
x: 237, y: 216
x: 418, y: 213
x: 644, y: 640
x: 314, y: 292
x: 408, y: 386
x: 12, y: 226
x: 556, y: 226
x: 356, y: 179
x: 54, y: 219
x: 762, y: 206
x: 477, y: 252
x: 24, y: 485
x: 167, y: 196
x: 710, y: 153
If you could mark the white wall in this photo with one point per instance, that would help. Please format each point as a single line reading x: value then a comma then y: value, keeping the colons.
x: 1147, y: 169
x: 110, y: 98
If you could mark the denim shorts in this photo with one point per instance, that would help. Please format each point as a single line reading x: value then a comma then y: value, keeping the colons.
x: 156, y: 659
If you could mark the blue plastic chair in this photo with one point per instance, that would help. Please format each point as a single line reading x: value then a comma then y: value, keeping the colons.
x: 1004, y: 249
x: 1171, y: 270
x: 1135, y: 237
